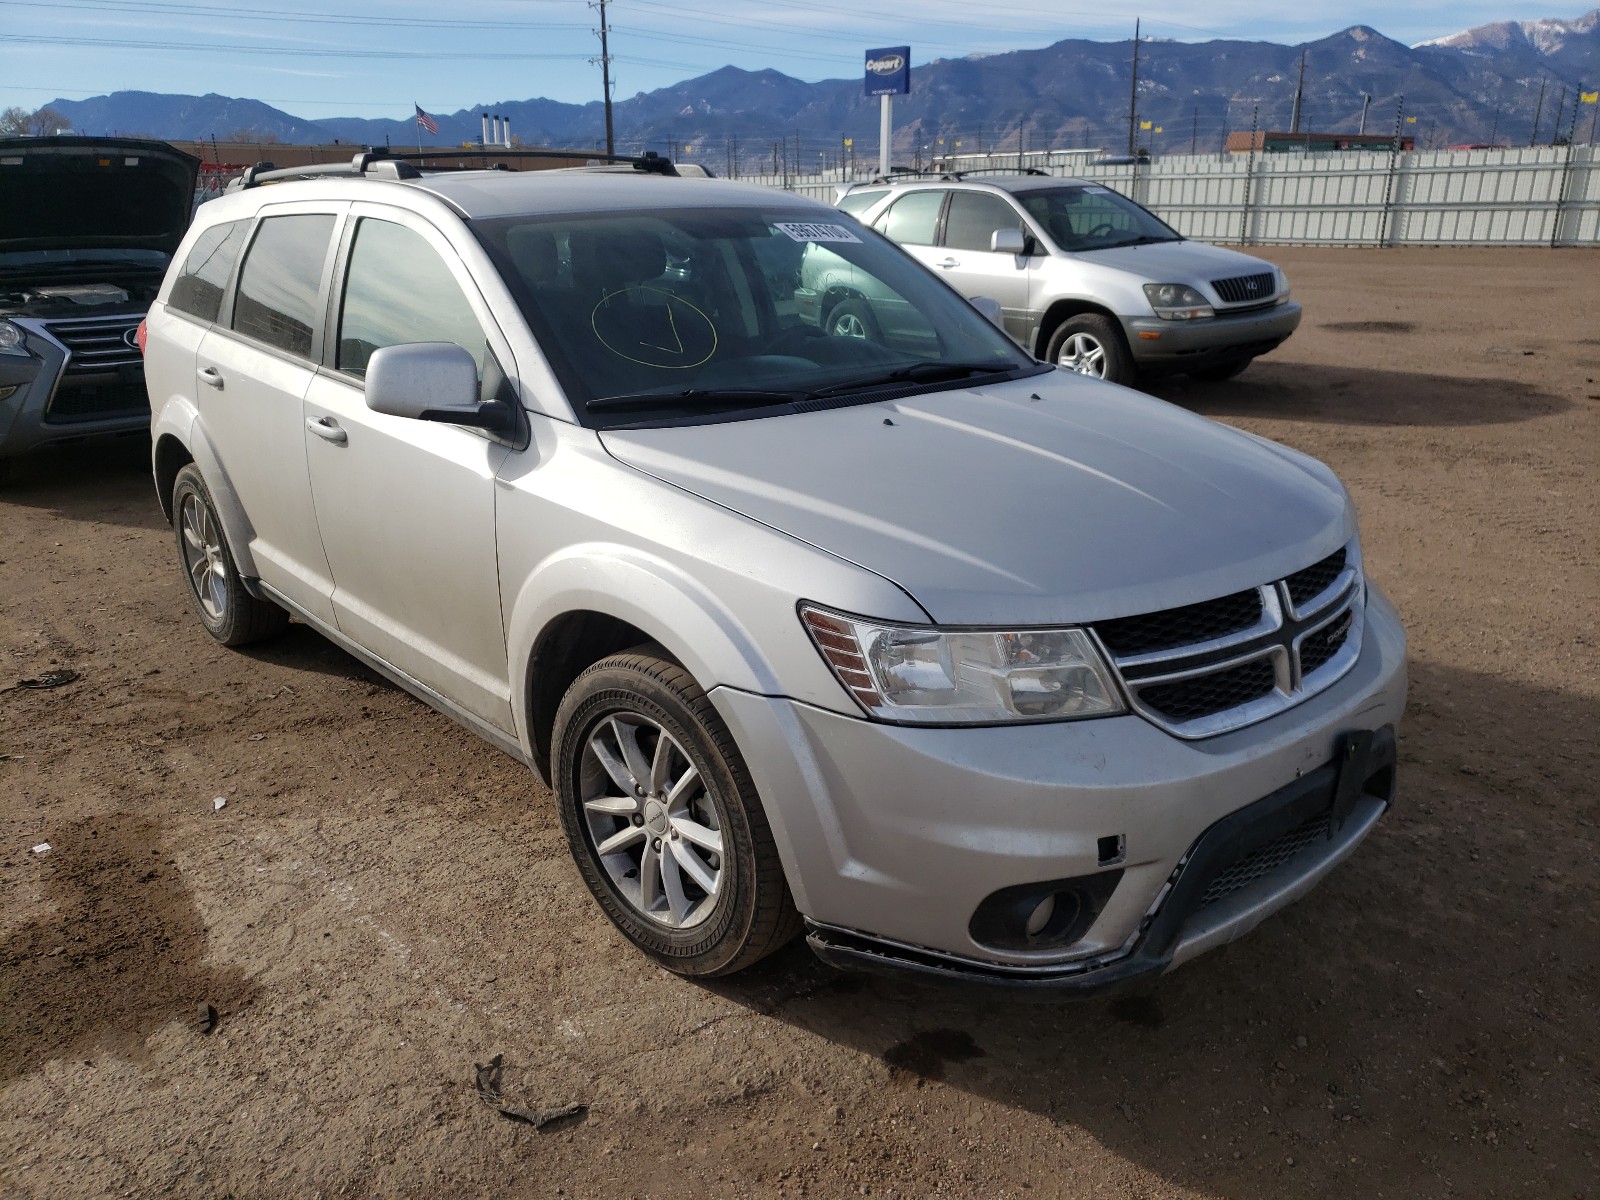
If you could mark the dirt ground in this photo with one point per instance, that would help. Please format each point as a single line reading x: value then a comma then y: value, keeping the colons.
x: 385, y: 902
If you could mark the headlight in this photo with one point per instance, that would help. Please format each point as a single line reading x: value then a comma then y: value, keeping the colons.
x: 1283, y: 286
x: 11, y: 339
x: 1177, y: 302
x: 923, y: 675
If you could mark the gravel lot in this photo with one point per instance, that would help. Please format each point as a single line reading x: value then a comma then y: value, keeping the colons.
x: 385, y: 902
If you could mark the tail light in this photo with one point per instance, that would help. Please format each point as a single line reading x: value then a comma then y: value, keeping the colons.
x: 139, y: 336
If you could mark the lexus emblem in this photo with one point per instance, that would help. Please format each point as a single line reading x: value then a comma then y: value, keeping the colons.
x: 130, y: 338
x: 1250, y: 286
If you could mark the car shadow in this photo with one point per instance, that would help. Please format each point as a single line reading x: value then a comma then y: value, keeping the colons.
x: 1423, y: 1019
x: 108, y: 483
x: 1313, y: 392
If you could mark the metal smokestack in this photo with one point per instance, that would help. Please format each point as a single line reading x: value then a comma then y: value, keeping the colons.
x: 505, y: 131
x: 485, y: 117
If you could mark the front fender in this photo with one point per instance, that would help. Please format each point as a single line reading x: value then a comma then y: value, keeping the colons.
x: 648, y: 592
x: 179, y: 419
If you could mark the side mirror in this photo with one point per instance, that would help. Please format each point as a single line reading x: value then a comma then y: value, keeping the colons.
x: 1008, y: 241
x: 990, y: 308
x: 432, y: 381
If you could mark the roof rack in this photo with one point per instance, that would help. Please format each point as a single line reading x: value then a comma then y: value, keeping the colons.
x: 379, y: 162
x: 997, y: 171
x: 953, y: 176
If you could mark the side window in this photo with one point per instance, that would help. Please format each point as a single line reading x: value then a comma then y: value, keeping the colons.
x: 397, y: 291
x: 280, y: 279
x: 975, y: 217
x: 856, y: 203
x: 912, y: 220
x: 198, y: 289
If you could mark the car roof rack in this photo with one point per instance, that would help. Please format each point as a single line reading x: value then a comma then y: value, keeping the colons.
x: 379, y: 162
x: 997, y: 171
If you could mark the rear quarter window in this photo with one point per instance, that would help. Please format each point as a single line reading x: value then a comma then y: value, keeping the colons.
x: 199, y: 287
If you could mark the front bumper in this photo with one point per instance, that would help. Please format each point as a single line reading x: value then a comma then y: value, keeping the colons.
x: 51, y: 404
x: 1196, y: 345
x: 893, y: 836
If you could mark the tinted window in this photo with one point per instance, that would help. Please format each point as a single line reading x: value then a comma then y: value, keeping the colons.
x: 858, y: 202
x: 279, y: 281
x: 1094, y: 218
x: 912, y: 220
x: 974, y: 217
x: 198, y: 290
x: 397, y: 291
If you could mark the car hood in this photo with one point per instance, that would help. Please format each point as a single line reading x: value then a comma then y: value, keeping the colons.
x: 1048, y: 500
x: 1177, y: 262
x: 69, y: 193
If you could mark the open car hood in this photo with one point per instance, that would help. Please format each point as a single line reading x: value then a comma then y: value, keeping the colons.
x: 73, y: 193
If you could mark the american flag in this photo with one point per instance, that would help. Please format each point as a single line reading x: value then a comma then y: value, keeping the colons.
x: 425, y: 119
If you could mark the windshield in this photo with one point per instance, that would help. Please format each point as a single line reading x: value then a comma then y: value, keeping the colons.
x: 1089, y: 217
x: 697, y: 313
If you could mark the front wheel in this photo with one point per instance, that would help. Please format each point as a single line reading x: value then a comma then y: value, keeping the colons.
x: 1091, y: 345
x: 663, y: 820
x: 854, y: 319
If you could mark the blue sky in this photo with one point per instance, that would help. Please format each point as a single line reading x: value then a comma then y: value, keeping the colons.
x: 372, y: 58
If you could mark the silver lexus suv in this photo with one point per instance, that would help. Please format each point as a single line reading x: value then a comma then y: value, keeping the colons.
x: 964, y: 664
x: 1085, y: 277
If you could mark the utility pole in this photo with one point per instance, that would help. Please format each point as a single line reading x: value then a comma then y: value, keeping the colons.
x: 1133, y: 92
x: 605, y: 71
x: 1366, y: 103
x: 1194, y: 130
x: 1537, y: 113
x: 1561, y: 107
x: 1299, y: 93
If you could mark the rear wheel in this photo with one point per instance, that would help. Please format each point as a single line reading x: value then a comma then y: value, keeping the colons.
x: 663, y: 820
x: 1221, y: 371
x: 230, y: 614
x: 1091, y: 345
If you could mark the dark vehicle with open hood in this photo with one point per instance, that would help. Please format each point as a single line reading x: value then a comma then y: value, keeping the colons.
x: 87, y: 229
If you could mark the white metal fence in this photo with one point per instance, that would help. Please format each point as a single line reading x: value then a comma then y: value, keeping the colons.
x: 1539, y: 196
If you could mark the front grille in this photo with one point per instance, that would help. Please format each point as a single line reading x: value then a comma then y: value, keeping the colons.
x: 1314, y: 580
x: 1209, y: 694
x: 79, y: 402
x: 1264, y: 859
x: 1322, y: 645
x: 96, y: 345
x: 1186, y: 626
x: 1207, y: 668
x: 1245, y: 289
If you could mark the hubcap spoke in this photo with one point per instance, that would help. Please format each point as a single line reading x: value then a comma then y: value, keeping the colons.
x: 661, y: 764
x: 693, y: 867
x: 613, y: 765
x: 627, y: 736
x: 616, y: 806
x: 675, y: 795
x: 620, y: 840
x: 672, y: 885
x: 691, y: 830
x: 649, y: 879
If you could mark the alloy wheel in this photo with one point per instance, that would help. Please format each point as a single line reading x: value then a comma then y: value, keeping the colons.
x: 653, y: 824
x: 202, y: 556
x: 1083, y: 353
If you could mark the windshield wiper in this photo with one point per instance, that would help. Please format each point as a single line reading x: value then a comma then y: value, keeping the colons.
x: 692, y: 398
x: 1144, y: 239
x: 923, y: 372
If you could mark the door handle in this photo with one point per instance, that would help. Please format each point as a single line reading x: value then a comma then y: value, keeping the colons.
x: 951, y: 262
x: 211, y: 377
x: 327, y: 429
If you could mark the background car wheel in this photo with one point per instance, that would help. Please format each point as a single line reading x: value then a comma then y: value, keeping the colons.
x: 230, y: 614
x: 1091, y: 345
x: 1222, y: 371
x: 854, y: 319
x: 663, y: 820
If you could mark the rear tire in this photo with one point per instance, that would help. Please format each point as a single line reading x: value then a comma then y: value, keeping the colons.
x: 230, y: 614
x: 1222, y: 371
x: 663, y: 819
x: 1091, y: 345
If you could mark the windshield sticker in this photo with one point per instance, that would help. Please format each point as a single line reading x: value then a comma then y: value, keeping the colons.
x: 805, y: 231
x: 1095, y: 191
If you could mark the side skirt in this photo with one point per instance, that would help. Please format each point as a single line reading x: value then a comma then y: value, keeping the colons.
x: 492, y: 734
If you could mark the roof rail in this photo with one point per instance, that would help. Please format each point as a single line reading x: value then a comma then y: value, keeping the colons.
x: 998, y: 171
x: 379, y: 162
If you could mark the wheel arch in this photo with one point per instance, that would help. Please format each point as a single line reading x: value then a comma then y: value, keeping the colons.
x: 178, y: 437
x: 1061, y: 311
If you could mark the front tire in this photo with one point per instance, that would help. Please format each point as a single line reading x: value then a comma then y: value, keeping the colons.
x: 854, y: 319
x: 230, y: 613
x: 663, y: 820
x: 1091, y: 345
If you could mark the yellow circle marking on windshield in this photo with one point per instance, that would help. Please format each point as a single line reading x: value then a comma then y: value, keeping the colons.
x: 670, y: 342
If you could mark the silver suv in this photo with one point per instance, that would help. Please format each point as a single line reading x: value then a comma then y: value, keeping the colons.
x: 968, y: 665
x: 1086, y: 278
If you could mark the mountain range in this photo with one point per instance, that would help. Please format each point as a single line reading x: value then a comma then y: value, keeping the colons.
x: 1490, y: 83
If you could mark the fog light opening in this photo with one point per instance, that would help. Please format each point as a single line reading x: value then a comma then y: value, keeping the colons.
x: 1040, y: 916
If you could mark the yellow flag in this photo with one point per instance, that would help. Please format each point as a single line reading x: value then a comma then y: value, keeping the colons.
x: 1411, y: 120
x: 1158, y: 129
x: 1144, y: 124
x: 849, y: 141
x: 1589, y: 97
